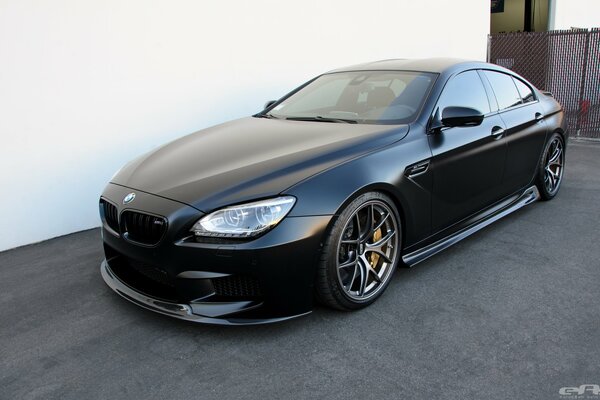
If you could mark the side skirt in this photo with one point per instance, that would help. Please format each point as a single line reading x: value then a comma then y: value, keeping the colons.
x: 479, y: 222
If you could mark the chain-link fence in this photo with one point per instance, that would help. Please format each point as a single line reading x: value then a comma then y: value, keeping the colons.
x: 566, y: 63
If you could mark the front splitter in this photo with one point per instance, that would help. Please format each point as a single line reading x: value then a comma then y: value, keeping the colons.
x: 176, y: 310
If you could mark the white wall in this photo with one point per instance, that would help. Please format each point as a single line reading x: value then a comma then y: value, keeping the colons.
x: 87, y: 85
x: 576, y: 14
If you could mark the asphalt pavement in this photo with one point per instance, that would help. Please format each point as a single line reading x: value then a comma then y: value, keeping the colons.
x: 512, y: 312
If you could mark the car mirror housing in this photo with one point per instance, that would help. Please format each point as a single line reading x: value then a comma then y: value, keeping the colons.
x: 461, y: 116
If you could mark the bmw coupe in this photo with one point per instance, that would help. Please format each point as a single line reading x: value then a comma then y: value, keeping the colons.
x: 325, y: 192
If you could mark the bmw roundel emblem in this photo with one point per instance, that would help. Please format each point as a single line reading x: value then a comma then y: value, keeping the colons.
x: 129, y: 198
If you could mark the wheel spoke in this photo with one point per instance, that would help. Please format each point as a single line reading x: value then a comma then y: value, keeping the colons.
x: 375, y: 274
x: 381, y: 242
x: 371, y: 224
x: 368, y: 224
x: 356, y: 217
x: 380, y: 224
x: 555, y: 155
x: 349, y: 287
x: 380, y: 254
x: 363, y: 277
x: 557, y: 162
x: 551, y: 180
x: 347, y: 264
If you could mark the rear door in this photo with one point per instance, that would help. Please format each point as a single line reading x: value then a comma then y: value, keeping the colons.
x: 525, y: 128
x: 467, y: 162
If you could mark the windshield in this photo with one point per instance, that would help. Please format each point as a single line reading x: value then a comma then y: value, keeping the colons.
x: 369, y: 97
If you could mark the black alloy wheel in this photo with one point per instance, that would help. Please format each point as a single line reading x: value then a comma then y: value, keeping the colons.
x: 360, y: 253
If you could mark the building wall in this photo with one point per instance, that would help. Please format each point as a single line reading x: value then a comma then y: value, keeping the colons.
x: 576, y: 14
x: 86, y: 86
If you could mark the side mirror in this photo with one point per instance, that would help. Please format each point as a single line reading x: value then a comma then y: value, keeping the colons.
x: 461, y: 116
x: 269, y: 103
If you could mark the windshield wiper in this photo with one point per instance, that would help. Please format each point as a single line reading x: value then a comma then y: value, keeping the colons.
x: 323, y: 119
x: 267, y: 115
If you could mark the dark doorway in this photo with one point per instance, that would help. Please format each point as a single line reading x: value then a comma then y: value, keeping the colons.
x: 527, y: 15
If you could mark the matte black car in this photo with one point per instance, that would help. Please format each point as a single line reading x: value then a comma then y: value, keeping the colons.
x: 328, y: 190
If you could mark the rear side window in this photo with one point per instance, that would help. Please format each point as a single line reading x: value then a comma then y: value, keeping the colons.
x: 524, y: 90
x: 504, y: 89
x: 465, y: 90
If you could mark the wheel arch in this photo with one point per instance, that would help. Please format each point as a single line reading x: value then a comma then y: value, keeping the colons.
x: 381, y: 187
x: 562, y: 134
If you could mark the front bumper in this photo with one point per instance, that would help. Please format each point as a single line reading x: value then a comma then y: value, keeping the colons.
x: 188, y: 312
x: 267, y: 279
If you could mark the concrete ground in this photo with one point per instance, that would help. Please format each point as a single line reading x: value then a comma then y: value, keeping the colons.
x: 511, y: 313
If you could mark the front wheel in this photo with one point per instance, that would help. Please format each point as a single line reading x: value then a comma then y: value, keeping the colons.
x: 360, y: 253
x: 551, y: 168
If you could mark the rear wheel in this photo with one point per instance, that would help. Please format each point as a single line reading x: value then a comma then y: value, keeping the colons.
x: 551, y: 168
x: 360, y: 253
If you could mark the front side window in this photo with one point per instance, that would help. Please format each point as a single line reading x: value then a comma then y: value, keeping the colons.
x: 504, y: 89
x: 465, y: 90
x: 375, y: 97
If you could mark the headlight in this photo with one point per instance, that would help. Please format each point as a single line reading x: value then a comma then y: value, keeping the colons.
x: 245, y: 220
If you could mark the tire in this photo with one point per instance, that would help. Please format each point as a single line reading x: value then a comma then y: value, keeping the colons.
x: 359, y: 255
x: 551, y: 167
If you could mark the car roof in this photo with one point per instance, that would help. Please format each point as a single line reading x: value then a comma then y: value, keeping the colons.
x: 435, y: 65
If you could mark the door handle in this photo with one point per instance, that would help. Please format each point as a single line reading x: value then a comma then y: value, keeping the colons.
x: 497, y: 132
x: 538, y: 116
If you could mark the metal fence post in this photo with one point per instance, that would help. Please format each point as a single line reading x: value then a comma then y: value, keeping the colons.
x: 586, y: 51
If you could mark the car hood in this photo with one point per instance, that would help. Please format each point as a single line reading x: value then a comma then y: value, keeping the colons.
x: 249, y: 158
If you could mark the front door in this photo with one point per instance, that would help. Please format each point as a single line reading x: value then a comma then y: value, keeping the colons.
x: 467, y: 162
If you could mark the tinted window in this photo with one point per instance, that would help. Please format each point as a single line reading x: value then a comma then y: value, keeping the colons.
x: 376, y: 97
x: 465, y: 90
x: 504, y: 89
x: 524, y: 90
